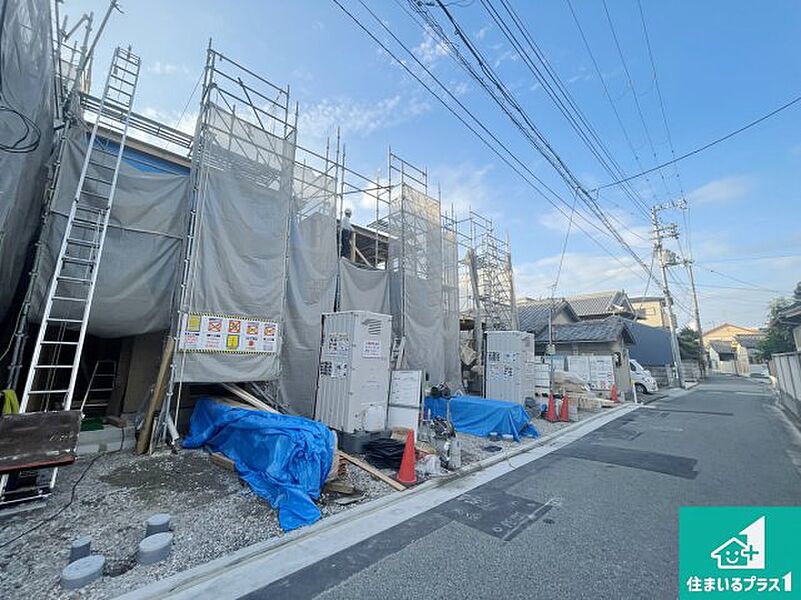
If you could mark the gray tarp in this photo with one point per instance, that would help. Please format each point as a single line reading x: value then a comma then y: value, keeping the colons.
x: 27, y: 78
x: 363, y: 288
x: 311, y: 285
x: 416, y: 279
x: 450, y: 300
x: 241, y: 238
x: 142, y: 252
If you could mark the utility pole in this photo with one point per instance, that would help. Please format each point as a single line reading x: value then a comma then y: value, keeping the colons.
x: 667, y: 258
x: 702, y: 356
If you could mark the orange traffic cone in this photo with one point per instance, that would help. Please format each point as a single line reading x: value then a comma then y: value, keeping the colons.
x: 614, y: 393
x: 406, y: 474
x: 551, y: 414
x: 564, y: 410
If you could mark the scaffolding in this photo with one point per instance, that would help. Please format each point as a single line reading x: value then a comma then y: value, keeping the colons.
x: 486, y: 277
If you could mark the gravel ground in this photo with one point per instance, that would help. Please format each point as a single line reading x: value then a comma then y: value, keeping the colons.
x: 475, y: 449
x: 212, y: 514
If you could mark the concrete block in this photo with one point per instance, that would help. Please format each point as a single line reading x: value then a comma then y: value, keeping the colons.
x: 80, y: 548
x: 154, y: 548
x: 158, y: 523
x: 83, y: 571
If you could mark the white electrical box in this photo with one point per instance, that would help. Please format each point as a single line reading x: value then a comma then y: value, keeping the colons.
x: 353, y: 380
x: 509, y: 366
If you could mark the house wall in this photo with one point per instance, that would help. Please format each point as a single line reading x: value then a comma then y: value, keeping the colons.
x: 726, y: 332
x: 797, y: 337
x: 650, y: 312
x: 622, y: 372
x: 743, y: 363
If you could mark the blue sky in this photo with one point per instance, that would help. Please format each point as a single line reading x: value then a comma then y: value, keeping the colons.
x: 719, y: 65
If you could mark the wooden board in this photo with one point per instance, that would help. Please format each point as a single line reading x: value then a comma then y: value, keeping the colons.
x: 221, y: 460
x: 146, y: 432
x: 372, y: 471
x: 38, y: 439
x: 247, y: 397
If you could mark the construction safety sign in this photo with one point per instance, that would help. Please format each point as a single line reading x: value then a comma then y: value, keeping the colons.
x: 227, y: 333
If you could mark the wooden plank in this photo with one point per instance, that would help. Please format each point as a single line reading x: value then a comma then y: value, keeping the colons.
x: 143, y: 442
x: 38, y: 439
x: 247, y: 397
x: 221, y: 460
x: 375, y: 473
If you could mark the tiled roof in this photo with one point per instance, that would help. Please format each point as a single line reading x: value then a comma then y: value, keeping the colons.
x: 721, y: 347
x: 748, y: 340
x: 600, y: 330
x: 599, y: 303
x: 533, y: 314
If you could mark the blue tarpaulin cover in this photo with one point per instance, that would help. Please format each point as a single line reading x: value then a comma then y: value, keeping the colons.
x: 284, y: 459
x: 482, y: 416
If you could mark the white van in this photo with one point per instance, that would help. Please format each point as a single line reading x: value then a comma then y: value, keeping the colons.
x: 642, y: 379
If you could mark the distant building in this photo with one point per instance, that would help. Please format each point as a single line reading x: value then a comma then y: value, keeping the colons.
x: 600, y: 305
x: 726, y: 332
x: 650, y: 310
x: 746, y: 348
x: 722, y: 357
x: 534, y: 313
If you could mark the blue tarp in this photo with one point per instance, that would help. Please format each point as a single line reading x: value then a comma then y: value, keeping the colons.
x: 284, y: 459
x: 482, y: 416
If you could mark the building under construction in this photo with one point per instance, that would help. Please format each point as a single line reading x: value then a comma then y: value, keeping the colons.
x: 143, y: 266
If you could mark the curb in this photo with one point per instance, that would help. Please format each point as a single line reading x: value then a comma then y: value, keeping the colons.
x: 207, y: 571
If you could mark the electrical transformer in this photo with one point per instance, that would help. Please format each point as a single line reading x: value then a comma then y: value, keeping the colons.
x: 353, y: 380
x: 509, y: 366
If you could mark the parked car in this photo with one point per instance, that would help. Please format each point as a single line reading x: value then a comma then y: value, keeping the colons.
x: 642, y: 379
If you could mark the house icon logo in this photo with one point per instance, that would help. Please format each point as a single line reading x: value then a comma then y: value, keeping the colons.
x: 746, y: 550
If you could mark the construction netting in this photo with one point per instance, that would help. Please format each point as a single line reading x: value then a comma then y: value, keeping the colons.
x: 26, y: 132
x: 450, y: 304
x: 311, y: 283
x: 416, y: 279
x: 363, y: 288
x: 141, y: 255
x: 232, y: 309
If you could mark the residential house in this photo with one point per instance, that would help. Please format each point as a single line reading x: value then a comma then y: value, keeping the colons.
x: 534, y: 313
x: 792, y: 316
x: 609, y: 336
x: 722, y: 357
x: 600, y: 305
x: 650, y: 310
x: 746, y: 347
x: 725, y: 332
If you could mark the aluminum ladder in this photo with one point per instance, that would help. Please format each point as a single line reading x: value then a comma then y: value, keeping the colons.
x: 56, y: 356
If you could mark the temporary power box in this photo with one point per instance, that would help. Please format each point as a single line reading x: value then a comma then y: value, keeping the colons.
x: 509, y: 366
x: 353, y: 381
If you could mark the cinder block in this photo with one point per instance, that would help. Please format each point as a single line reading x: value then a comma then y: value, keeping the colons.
x: 83, y: 571
x: 154, y: 548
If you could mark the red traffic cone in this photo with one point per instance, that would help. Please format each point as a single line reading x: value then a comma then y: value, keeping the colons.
x: 551, y: 414
x: 406, y: 474
x: 564, y: 410
x: 614, y: 393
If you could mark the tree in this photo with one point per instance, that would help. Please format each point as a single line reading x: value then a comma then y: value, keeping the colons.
x: 689, y: 345
x: 778, y: 335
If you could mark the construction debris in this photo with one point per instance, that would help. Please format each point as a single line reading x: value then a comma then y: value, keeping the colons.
x: 375, y: 473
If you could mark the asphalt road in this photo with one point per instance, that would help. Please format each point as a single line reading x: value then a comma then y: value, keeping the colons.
x: 596, y: 519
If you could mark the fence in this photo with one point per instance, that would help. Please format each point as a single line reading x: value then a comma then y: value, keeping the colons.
x: 787, y: 370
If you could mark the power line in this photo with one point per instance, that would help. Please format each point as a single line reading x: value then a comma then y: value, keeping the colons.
x: 501, y: 95
x: 496, y: 151
x: 714, y: 142
x: 630, y: 82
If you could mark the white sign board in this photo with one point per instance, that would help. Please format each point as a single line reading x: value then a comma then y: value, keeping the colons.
x: 579, y: 366
x: 405, y: 392
x: 602, y: 372
x: 224, y: 333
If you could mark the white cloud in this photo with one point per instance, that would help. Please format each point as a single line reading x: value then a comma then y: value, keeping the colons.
x: 482, y: 33
x: 635, y: 233
x: 430, y: 50
x: 166, y: 68
x: 727, y: 189
x: 464, y: 186
x: 355, y: 119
